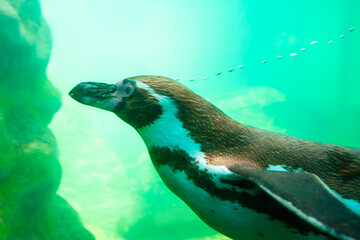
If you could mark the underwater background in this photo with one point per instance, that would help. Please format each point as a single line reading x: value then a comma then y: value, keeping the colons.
x: 313, y: 94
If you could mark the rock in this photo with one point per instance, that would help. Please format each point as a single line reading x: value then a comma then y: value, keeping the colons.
x: 30, y: 170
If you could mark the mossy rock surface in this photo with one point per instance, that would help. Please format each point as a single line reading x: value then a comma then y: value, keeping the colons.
x: 30, y: 171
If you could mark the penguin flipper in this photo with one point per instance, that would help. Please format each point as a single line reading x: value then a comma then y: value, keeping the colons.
x: 308, y: 197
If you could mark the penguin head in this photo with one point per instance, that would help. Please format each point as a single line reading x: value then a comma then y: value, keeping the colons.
x: 139, y: 101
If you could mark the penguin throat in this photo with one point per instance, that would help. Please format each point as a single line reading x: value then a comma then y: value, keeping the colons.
x: 167, y: 131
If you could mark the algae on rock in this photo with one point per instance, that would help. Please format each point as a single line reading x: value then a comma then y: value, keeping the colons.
x: 30, y: 171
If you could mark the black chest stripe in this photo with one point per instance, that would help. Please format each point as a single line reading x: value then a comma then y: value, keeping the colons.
x: 261, y: 202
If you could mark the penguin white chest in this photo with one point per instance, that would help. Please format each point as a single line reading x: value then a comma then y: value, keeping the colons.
x: 228, y: 217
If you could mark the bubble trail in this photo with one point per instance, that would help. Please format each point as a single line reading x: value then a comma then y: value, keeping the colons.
x: 293, y: 54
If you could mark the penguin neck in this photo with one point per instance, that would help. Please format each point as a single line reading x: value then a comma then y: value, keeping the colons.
x: 168, y: 130
x: 193, y: 125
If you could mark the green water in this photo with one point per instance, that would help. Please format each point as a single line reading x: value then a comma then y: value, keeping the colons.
x: 107, y: 173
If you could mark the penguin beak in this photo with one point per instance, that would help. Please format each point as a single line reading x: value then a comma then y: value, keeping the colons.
x: 99, y: 95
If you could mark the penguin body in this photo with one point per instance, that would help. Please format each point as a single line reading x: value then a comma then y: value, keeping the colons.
x: 224, y: 170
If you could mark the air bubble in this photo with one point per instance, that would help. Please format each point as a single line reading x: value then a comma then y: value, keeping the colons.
x: 279, y: 57
x: 302, y: 49
x: 204, y: 78
x: 293, y: 54
x: 263, y: 62
x: 218, y: 73
x: 342, y: 36
x: 351, y: 29
x: 314, y: 42
x: 331, y: 41
x: 191, y: 79
x: 230, y: 69
x: 240, y: 66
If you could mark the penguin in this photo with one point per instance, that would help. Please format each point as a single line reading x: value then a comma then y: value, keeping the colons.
x: 244, y: 182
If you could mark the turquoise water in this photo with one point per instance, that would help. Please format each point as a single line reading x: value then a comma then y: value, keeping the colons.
x: 107, y: 173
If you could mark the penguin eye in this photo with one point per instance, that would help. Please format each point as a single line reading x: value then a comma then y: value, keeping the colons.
x: 128, y: 90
